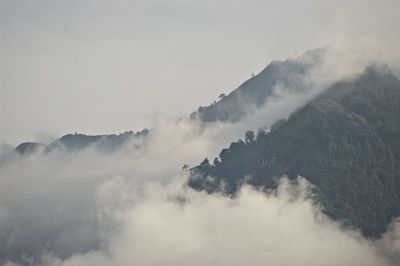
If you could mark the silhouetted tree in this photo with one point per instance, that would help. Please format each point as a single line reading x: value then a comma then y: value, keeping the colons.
x: 221, y: 96
x: 249, y: 137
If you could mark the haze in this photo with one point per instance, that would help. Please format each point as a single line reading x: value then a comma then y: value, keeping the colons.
x: 100, y: 67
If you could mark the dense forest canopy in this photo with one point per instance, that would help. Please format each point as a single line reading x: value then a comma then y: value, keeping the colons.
x: 346, y: 142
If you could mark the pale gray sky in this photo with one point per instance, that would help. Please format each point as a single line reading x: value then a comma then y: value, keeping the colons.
x: 97, y: 66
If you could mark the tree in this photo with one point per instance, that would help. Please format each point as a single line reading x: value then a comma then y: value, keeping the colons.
x: 249, y: 137
x: 221, y: 96
x: 205, y: 163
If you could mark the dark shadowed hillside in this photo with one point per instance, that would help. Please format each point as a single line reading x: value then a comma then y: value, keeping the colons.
x: 346, y: 142
x: 253, y: 93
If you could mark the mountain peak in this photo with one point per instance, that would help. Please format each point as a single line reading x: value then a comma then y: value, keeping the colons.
x: 253, y: 93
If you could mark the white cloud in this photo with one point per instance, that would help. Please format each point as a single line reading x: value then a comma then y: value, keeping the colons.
x: 97, y: 68
x: 171, y: 226
x: 132, y: 208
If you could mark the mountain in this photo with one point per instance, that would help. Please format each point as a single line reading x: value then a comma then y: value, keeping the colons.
x: 253, y: 93
x: 346, y: 142
x: 75, y: 142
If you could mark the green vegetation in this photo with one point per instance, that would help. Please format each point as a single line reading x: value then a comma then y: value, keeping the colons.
x: 346, y: 142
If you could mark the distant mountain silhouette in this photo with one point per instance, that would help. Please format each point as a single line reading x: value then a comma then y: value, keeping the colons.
x: 253, y: 93
x: 75, y: 142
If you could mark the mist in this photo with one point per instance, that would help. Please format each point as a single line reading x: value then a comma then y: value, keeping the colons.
x: 101, y: 68
x: 133, y: 207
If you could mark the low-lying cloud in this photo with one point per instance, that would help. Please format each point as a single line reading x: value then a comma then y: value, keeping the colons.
x: 172, y: 225
x: 132, y: 207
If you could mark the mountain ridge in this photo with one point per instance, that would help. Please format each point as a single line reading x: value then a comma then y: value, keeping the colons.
x: 76, y: 142
x: 251, y: 94
x: 346, y: 142
x: 254, y: 92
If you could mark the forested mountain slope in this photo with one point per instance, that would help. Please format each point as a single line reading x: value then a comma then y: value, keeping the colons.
x: 253, y: 93
x: 346, y: 142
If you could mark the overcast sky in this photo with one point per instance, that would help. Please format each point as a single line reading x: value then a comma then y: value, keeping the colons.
x: 97, y: 66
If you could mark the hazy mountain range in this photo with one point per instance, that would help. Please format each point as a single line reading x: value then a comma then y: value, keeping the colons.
x: 251, y: 95
x: 76, y: 142
x: 345, y: 142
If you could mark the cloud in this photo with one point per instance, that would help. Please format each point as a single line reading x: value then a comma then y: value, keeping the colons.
x: 175, y: 226
x: 360, y: 36
x: 49, y: 201
x: 132, y: 208
x: 90, y: 208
